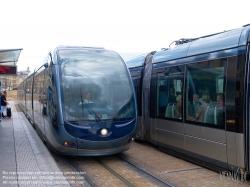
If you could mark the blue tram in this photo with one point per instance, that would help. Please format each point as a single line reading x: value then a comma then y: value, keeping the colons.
x: 53, y: 97
x: 194, y: 99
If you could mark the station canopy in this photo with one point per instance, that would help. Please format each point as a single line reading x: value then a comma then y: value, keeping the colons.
x: 8, y: 59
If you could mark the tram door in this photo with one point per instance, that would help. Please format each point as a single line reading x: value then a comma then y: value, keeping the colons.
x: 204, y: 126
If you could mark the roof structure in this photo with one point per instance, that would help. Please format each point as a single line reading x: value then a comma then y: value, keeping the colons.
x: 9, y: 56
x: 8, y: 59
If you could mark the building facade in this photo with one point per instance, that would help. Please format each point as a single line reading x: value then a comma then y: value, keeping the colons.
x: 9, y: 82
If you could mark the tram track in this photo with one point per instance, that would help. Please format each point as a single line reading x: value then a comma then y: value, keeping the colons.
x: 112, y: 171
x: 78, y: 177
x: 140, y: 172
x: 78, y: 172
x: 166, y: 183
x: 124, y: 180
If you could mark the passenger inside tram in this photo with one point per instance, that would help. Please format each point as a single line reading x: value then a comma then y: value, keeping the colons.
x: 171, y: 97
x: 220, y: 100
x: 219, y: 110
x: 178, y: 108
x: 202, y: 108
x: 193, y: 107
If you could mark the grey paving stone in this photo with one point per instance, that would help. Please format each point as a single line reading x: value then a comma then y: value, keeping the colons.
x: 22, y: 151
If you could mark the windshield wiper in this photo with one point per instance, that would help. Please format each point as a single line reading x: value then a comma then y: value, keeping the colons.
x: 90, y: 110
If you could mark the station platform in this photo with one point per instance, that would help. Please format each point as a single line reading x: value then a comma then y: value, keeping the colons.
x: 24, y: 158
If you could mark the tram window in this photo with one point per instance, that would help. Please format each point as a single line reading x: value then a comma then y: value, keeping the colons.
x: 169, y: 97
x: 205, y: 93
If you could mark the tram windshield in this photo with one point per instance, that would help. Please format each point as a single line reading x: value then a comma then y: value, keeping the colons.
x: 95, y: 86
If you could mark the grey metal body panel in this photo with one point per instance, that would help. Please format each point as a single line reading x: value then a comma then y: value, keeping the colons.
x: 231, y: 148
x: 153, y: 131
x: 206, y: 148
x: 139, y: 129
x: 170, y: 138
x: 235, y: 149
x: 240, y: 150
x: 169, y: 132
x: 206, y: 133
x: 171, y: 126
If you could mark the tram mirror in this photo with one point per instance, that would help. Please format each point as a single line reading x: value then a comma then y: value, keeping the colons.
x: 46, y: 65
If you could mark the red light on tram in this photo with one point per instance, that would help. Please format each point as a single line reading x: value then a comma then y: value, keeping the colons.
x: 72, y: 144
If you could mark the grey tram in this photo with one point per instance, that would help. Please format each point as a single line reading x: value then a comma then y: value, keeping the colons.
x: 214, y: 69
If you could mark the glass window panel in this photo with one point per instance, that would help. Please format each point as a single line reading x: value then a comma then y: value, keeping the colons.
x: 169, y: 97
x: 95, y: 84
x: 205, y: 92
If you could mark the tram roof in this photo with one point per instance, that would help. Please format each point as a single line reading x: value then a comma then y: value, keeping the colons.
x: 221, y: 41
x: 77, y: 47
x: 136, y: 61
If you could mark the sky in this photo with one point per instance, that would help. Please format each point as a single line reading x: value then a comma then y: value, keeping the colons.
x: 129, y: 27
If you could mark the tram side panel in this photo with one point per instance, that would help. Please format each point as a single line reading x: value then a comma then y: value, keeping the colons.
x: 168, y: 130
x: 217, y: 132
x: 40, y: 101
x: 55, y: 132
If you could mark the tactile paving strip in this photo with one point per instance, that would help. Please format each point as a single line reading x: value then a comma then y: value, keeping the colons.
x: 35, y: 166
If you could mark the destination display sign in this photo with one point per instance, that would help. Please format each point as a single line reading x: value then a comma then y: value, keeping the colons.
x: 8, y: 70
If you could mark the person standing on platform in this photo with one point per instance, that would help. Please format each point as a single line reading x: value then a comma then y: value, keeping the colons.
x: 4, y: 104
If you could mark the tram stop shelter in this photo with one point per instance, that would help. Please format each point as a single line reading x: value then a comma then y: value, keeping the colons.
x: 8, y: 60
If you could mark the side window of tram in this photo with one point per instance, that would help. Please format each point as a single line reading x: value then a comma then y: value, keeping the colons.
x: 205, y: 93
x: 169, y: 93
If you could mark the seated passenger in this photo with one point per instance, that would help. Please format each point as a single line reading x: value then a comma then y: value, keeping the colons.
x: 193, y: 107
x: 220, y: 114
x: 87, y: 98
x: 220, y: 100
x: 202, y: 108
x: 203, y: 92
x: 178, y: 108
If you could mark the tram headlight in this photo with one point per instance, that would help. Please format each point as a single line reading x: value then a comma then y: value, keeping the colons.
x: 104, y: 132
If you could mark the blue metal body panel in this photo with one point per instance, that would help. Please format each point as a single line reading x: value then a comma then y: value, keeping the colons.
x: 227, y: 41
x: 92, y: 130
x: 136, y: 62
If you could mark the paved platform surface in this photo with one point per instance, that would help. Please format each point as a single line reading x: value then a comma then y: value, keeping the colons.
x: 24, y: 159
